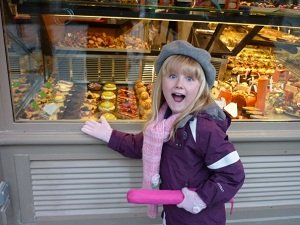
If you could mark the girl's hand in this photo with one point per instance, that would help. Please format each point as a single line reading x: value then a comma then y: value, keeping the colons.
x: 191, y: 202
x: 101, y: 130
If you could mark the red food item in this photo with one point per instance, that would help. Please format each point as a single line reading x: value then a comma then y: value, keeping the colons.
x: 261, y: 93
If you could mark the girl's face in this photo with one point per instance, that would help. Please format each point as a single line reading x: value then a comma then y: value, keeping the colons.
x: 180, y: 90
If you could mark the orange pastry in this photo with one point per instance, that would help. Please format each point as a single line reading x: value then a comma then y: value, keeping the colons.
x: 144, y: 95
x: 138, y: 84
x: 139, y: 90
x: 146, y: 104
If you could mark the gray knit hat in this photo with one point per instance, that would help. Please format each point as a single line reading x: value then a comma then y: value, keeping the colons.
x: 180, y: 47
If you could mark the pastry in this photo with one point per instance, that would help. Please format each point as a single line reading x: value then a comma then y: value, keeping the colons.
x: 150, y: 88
x: 94, y: 86
x: 86, y: 111
x: 23, y: 87
x: 32, y: 110
x: 146, y: 104
x: 59, y: 97
x: 110, y: 87
x: 145, y: 113
x: 65, y: 83
x: 64, y: 86
x: 239, y: 98
x: 108, y: 95
x: 91, y: 101
x: 41, y: 98
x: 126, y: 104
x: 90, y: 107
x: 144, y: 95
x: 138, y: 84
x: 106, y: 106
x: 139, y: 90
x: 109, y: 116
x: 92, y: 95
x: 47, y: 88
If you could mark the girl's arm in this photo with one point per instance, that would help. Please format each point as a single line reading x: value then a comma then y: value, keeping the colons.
x: 224, y: 165
x: 129, y: 145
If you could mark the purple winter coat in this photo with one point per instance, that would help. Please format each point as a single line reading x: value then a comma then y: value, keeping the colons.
x: 210, y: 164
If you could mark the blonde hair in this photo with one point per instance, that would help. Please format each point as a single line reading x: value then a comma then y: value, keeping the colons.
x: 187, y: 66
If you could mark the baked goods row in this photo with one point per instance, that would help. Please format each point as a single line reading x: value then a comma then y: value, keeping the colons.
x: 271, y: 4
x: 49, y: 101
x: 259, y: 84
x: 91, y: 39
x: 231, y: 35
x: 61, y: 99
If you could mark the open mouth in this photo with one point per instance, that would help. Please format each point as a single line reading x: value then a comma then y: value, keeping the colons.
x: 178, y: 97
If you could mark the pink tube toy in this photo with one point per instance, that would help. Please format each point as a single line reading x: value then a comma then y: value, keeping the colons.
x: 163, y: 197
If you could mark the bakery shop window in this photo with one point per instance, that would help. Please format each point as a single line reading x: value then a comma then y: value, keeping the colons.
x: 86, y: 68
x: 79, y: 68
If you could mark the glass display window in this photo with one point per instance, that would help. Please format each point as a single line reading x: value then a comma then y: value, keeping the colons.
x: 66, y: 64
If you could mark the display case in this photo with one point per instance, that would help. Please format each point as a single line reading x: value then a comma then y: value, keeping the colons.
x: 62, y: 55
x: 57, y: 58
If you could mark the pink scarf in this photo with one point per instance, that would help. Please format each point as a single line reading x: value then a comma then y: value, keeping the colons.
x: 154, y: 136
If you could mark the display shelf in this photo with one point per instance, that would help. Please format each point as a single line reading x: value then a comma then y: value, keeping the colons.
x: 243, y: 42
x: 250, y: 37
x: 99, y: 50
x: 76, y: 8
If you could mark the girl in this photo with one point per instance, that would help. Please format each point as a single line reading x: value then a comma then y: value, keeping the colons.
x: 184, y: 145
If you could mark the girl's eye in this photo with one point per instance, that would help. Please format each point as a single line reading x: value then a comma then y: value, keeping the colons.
x: 173, y: 76
x: 189, y: 78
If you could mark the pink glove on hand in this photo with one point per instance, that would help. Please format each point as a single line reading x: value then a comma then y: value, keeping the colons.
x: 101, y: 130
x: 191, y: 202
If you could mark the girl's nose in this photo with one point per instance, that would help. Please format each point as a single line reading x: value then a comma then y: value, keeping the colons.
x: 179, y: 83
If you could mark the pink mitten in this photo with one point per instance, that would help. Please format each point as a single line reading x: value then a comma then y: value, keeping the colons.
x: 191, y: 202
x: 101, y: 130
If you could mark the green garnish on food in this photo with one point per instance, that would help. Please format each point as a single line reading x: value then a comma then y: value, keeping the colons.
x: 42, y: 94
x: 15, y: 84
x: 48, y: 85
x: 35, y: 106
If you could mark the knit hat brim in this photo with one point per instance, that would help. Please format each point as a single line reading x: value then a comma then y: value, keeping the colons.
x: 180, y: 47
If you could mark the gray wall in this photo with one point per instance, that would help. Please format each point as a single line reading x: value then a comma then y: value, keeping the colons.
x: 54, y: 181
